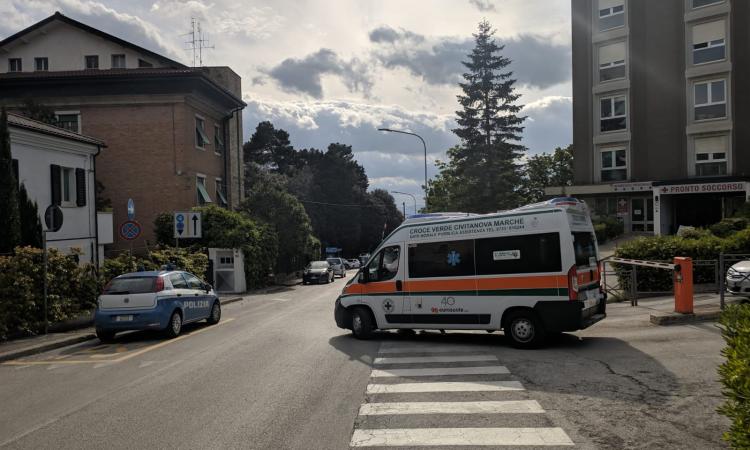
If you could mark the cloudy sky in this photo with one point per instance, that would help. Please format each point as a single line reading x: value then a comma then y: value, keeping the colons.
x: 336, y: 70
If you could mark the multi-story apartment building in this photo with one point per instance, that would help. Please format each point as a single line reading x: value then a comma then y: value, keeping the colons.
x: 661, y: 117
x: 173, y: 133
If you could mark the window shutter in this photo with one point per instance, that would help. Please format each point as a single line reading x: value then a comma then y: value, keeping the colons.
x: 603, y: 4
x: 711, y: 144
x: 706, y: 32
x: 612, y: 53
x: 80, y: 187
x: 55, y: 183
x: 14, y: 163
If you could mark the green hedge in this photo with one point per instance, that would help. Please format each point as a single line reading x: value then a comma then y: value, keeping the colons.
x: 607, y: 228
x: 72, y: 290
x: 735, y: 374
x: 697, y: 246
x: 182, y: 258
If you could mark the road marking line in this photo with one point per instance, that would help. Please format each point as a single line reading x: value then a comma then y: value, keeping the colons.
x: 482, y: 407
x: 432, y: 349
x: 450, y: 386
x: 459, y: 436
x: 120, y: 359
x: 438, y: 371
x: 434, y: 359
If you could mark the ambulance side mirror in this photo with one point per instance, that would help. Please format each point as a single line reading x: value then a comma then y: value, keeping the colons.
x: 362, y: 277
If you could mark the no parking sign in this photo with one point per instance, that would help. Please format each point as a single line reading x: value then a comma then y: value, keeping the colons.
x: 130, y: 229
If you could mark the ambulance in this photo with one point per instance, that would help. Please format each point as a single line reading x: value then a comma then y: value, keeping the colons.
x: 532, y: 272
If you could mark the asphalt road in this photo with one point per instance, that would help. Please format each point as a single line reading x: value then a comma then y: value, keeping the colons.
x: 278, y: 373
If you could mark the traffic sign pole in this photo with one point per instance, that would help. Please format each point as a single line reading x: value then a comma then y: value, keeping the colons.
x: 44, y: 249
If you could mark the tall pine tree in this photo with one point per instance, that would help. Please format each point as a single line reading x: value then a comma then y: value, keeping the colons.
x: 10, y: 221
x: 483, y: 173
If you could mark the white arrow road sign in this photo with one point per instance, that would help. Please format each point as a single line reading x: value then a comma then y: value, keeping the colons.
x: 187, y: 225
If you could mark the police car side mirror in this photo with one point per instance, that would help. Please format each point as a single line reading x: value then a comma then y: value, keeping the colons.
x: 207, y: 287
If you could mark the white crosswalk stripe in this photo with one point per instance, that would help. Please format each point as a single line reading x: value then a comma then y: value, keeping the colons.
x: 487, y: 407
x: 440, y: 371
x: 392, y: 392
x: 434, y: 359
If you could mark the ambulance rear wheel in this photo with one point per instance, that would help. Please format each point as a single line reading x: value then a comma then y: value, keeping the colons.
x: 524, y: 330
x: 362, y: 324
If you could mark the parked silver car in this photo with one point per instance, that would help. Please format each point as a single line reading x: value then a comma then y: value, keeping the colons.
x: 738, y: 279
x: 338, y: 266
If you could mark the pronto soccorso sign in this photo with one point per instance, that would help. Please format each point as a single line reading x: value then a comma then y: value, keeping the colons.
x: 702, y: 188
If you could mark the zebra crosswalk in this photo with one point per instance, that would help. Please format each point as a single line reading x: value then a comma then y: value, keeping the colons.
x: 423, y: 396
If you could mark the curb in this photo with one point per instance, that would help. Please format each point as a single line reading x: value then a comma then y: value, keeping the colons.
x: 673, y: 318
x: 45, y: 347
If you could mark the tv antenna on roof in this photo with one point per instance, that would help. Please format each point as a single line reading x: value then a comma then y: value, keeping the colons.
x: 197, y: 42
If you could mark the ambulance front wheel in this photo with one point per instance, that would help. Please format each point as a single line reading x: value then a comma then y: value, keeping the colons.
x: 524, y: 329
x: 362, y: 324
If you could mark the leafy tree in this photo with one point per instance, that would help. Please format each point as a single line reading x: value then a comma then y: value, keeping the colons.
x: 31, y: 226
x: 38, y: 111
x: 102, y: 203
x: 268, y: 201
x: 379, y: 218
x: 10, y: 219
x: 483, y: 173
x: 546, y: 170
x: 269, y: 147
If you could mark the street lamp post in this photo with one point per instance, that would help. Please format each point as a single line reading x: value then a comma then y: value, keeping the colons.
x: 425, y: 155
x: 410, y: 195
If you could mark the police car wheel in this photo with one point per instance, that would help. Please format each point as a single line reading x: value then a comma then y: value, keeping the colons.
x: 524, y: 330
x: 175, y: 325
x: 215, y: 316
x: 362, y: 326
x: 105, y: 335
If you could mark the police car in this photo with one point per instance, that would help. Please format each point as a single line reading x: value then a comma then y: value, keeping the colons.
x: 156, y: 300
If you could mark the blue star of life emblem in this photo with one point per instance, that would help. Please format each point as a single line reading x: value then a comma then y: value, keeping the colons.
x: 454, y: 258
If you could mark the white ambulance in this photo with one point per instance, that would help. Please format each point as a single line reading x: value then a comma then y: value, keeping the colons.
x: 531, y: 272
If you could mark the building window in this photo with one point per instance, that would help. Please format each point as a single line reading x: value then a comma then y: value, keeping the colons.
x: 711, y: 156
x: 613, y: 113
x: 605, y: 206
x: 15, y: 65
x: 118, y: 61
x: 67, y: 186
x: 41, y: 64
x: 221, y: 192
x: 709, y: 42
x: 710, y: 100
x: 200, y: 133
x: 611, y: 14
x: 614, y: 164
x: 200, y: 186
x: 612, y: 61
x: 92, y: 61
x: 69, y: 121
x: 142, y: 63
x: 702, y: 3
x: 218, y: 139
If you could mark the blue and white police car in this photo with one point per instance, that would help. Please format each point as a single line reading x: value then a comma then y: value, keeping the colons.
x: 156, y: 300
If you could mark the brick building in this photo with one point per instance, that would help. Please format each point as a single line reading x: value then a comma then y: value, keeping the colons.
x: 660, y: 110
x: 174, y: 133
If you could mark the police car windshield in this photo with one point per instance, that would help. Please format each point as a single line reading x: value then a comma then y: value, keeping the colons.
x: 130, y: 285
x: 319, y: 265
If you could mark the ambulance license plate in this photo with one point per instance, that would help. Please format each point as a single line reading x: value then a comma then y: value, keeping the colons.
x: 128, y: 318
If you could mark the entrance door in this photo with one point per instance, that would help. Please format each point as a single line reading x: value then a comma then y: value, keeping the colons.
x: 642, y: 214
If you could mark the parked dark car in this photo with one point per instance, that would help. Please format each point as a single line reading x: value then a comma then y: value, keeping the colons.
x: 318, y: 272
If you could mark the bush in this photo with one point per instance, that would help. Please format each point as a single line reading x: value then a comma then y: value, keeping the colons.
x: 607, y: 228
x: 223, y: 228
x: 735, y: 374
x: 72, y: 290
x: 728, y: 226
x: 182, y: 258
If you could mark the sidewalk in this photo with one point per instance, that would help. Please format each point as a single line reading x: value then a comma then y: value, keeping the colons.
x: 32, y: 345
x: 706, y: 307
